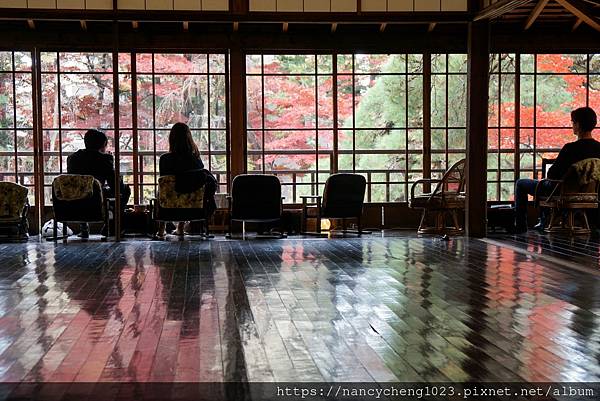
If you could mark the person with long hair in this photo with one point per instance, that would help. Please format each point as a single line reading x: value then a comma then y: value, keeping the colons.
x: 183, y: 161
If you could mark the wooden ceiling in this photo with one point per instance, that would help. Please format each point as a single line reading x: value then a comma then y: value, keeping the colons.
x: 531, y: 13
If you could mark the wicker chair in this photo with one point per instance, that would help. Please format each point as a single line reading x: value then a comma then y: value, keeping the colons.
x: 78, y: 199
x: 14, y: 207
x: 174, y: 206
x: 447, y: 199
x: 343, y: 198
x: 571, y: 198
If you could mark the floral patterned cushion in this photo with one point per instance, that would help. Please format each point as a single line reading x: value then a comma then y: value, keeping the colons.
x: 71, y: 187
x: 13, y: 198
x: 169, y: 199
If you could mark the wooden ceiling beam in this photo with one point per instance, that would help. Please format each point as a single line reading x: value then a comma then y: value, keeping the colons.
x: 31, y: 24
x: 286, y: 27
x: 500, y: 8
x: 83, y: 25
x: 135, y: 24
x: 581, y: 11
x: 236, y: 26
x: 334, y: 27
x: 535, y: 13
x: 576, y: 24
x: 382, y: 27
x: 431, y: 26
x: 186, y: 26
x: 457, y: 17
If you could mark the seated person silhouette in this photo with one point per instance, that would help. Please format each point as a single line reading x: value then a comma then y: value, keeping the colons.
x: 584, y: 121
x: 94, y: 160
x: 183, y: 161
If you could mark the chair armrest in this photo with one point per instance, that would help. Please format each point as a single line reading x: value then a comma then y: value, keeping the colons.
x: 315, y: 198
x: 422, y: 181
x: 539, y: 186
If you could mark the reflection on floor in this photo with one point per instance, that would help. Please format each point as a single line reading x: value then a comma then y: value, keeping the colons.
x: 371, y: 309
x: 578, y: 252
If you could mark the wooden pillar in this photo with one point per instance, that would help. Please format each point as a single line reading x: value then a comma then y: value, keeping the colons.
x: 38, y: 141
x: 477, y: 126
x: 237, y: 109
x: 427, y: 119
x: 117, y: 141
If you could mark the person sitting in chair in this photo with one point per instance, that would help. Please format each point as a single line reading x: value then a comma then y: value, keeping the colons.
x: 584, y: 121
x: 183, y: 162
x: 95, y: 161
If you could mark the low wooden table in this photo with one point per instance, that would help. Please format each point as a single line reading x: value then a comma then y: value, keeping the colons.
x: 220, y: 219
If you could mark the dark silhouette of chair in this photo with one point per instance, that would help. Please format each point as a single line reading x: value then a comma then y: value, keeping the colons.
x: 447, y: 199
x: 14, y: 207
x: 174, y: 206
x: 78, y: 199
x: 343, y: 198
x: 571, y: 197
x: 546, y: 164
x: 255, y: 198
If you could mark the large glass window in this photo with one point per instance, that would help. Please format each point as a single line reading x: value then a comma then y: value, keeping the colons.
x: 16, y: 120
x: 380, y: 114
x: 290, y: 120
x: 502, y: 127
x: 188, y: 88
x: 448, y: 111
x: 77, y: 94
x: 311, y: 115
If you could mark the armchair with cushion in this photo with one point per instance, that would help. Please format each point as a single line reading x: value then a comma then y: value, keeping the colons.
x: 447, y: 199
x: 78, y: 199
x: 14, y: 207
x: 343, y: 198
x: 571, y: 197
x: 255, y: 198
x: 174, y: 206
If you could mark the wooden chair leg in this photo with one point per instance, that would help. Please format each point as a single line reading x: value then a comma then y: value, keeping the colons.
x: 423, y: 222
x: 586, y: 223
x: 439, y: 220
x: 571, y: 220
x: 455, y: 220
x: 55, y: 231
x: 64, y: 230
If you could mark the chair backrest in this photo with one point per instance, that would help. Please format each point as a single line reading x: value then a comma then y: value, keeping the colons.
x: 74, y: 187
x: 453, y: 181
x: 77, y: 198
x: 13, y: 199
x: 168, y: 198
x: 344, y: 195
x: 256, y: 197
x: 546, y: 164
x: 582, y: 177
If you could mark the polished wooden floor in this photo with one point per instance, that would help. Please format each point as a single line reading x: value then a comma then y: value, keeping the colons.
x: 372, y: 309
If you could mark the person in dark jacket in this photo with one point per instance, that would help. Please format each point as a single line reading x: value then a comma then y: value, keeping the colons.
x: 584, y: 121
x: 95, y: 161
x: 183, y: 161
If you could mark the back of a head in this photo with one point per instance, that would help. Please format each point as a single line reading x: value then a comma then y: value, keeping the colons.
x: 585, y: 117
x: 181, y: 141
x: 95, y: 140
